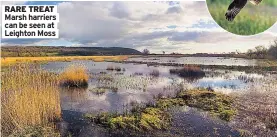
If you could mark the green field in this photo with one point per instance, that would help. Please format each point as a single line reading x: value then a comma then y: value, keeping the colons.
x: 251, y: 19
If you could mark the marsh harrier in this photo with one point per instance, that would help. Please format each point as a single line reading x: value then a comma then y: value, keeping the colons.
x: 235, y: 7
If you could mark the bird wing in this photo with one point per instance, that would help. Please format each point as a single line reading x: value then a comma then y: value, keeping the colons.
x: 255, y: 2
x: 234, y: 9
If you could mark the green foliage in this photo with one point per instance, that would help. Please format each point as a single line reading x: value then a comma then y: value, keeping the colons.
x: 146, y: 119
x: 167, y: 103
x: 216, y: 103
x: 251, y: 20
x: 270, y: 2
x: 226, y: 114
x: 156, y: 117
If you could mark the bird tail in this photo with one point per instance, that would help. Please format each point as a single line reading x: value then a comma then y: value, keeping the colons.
x: 255, y: 2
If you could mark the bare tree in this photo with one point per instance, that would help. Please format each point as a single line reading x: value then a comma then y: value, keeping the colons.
x: 146, y: 51
x: 272, y: 51
x: 237, y: 51
x: 261, y: 51
x: 250, y: 52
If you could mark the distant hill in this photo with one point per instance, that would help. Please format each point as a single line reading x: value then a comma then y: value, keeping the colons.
x: 36, y: 51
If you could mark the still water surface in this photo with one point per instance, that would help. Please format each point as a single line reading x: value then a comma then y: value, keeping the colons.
x: 199, y: 60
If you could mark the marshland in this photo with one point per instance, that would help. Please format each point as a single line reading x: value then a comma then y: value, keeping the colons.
x: 142, y: 69
x: 131, y: 97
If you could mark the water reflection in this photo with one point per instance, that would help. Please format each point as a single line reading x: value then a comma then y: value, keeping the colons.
x: 109, y: 90
x: 199, y: 60
x: 72, y: 97
x: 198, y: 123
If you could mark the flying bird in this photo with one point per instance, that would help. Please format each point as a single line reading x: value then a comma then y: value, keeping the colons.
x: 236, y: 6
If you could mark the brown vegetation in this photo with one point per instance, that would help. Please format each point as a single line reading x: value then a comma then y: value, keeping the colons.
x: 154, y: 73
x: 29, y: 97
x: 188, y: 71
x: 74, y: 76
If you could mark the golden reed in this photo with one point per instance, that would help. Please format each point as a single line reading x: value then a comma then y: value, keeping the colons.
x: 29, y: 97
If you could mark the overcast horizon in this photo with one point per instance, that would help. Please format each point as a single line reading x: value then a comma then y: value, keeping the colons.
x: 183, y: 27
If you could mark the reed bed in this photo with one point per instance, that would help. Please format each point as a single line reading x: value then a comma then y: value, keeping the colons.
x: 13, y: 60
x: 29, y: 98
x: 74, y: 76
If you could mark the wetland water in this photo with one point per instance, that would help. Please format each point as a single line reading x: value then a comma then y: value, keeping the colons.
x: 199, y: 60
x: 116, y: 91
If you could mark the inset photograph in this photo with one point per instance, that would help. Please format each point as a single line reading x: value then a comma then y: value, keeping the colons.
x: 244, y: 17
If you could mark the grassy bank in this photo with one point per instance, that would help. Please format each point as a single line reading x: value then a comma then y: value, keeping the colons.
x: 29, y: 99
x: 13, y: 60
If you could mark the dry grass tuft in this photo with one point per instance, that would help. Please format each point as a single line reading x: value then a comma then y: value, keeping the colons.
x: 74, y: 76
x: 29, y: 98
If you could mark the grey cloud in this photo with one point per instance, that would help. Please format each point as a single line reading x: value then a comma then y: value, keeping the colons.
x: 225, y: 37
x: 151, y: 17
x: 85, y: 24
x: 205, y: 24
x: 93, y: 22
x: 186, y: 36
x: 153, y: 35
x: 13, y: 42
x: 174, y: 9
x: 119, y: 10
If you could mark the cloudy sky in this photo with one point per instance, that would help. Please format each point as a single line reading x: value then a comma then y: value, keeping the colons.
x: 183, y: 27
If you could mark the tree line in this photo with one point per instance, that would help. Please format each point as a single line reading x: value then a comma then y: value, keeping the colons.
x: 264, y: 53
